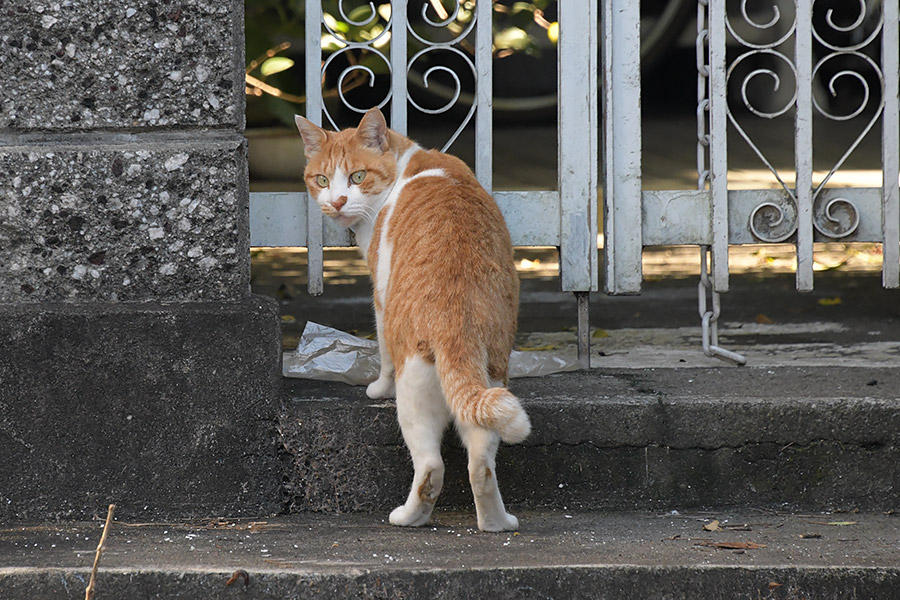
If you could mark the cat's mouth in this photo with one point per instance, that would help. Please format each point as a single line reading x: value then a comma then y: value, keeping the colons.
x: 346, y: 220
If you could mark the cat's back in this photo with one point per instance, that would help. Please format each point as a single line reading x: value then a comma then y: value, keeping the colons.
x: 442, y: 202
x: 451, y: 275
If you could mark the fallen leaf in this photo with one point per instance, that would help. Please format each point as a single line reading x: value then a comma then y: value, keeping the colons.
x: 713, y: 526
x: 237, y: 575
x: 834, y: 523
x: 599, y: 334
x: 810, y: 536
x: 774, y: 584
x: 537, y: 348
x: 818, y: 266
x: 764, y: 320
x: 829, y: 301
x: 731, y: 545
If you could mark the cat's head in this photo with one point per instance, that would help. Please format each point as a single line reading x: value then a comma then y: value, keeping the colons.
x: 349, y: 172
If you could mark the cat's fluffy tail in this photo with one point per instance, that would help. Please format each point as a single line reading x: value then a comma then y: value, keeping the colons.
x: 475, y: 404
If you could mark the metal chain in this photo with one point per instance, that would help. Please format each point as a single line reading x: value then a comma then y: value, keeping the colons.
x: 709, y: 318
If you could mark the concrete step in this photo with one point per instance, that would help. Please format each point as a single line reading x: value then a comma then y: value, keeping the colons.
x: 643, y: 439
x: 555, y: 554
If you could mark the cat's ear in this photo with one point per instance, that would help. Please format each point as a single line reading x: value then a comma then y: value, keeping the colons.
x: 313, y: 136
x: 373, y: 131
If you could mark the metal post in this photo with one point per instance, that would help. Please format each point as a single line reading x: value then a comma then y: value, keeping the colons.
x: 803, y: 145
x: 718, y: 144
x: 314, y: 222
x: 577, y: 154
x: 623, y: 243
x: 890, y: 145
x: 398, y: 67
x: 584, y: 329
x: 577, y: 56
x: 484, y: 93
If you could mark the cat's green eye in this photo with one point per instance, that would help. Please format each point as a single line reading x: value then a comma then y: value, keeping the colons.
x: 321, y: 181
x: 357, y: 177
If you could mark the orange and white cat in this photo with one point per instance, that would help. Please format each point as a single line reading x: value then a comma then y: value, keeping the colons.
x: 446, y: 299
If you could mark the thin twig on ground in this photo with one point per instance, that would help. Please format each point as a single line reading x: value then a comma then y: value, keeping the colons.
x: 89, y: 591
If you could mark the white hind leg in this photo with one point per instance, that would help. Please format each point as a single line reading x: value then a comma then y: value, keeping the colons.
x: 481, y: 444
x: 383, y: 387
x: 423, y: 417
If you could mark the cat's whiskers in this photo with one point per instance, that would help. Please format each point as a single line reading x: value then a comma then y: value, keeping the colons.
x: 362, y: 211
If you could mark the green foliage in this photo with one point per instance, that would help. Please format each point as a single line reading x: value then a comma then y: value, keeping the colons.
x: 276, y: 64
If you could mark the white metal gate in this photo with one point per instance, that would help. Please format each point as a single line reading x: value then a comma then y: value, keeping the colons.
x: 711, y: 216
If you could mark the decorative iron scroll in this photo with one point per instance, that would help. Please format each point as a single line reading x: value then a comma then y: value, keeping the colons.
x: 841, y: 46
x: 835, y: 218
x: 435, y: 37
x: 355, y: 51
x: 839, y: 217
x: 463, y: 22
x: 773, y: 220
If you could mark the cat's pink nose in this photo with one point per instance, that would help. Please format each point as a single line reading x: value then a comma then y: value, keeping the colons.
x: 339, y: 203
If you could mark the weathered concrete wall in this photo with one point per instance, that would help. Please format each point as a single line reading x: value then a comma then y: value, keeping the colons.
x: 165, y: 412
x: 137, y: 65
x: 153, y: 218
x: 124, y: 222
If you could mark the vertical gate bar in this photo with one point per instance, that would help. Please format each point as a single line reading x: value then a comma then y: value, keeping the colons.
x: 621, y: 54
x: 484, y: 95
x: 577, y: 158
x: 718, y: 145
x: 398, y: 67
x: 890, y: 145
x: 593, y: 58
x: 803, y: 145
x: 315, y: 218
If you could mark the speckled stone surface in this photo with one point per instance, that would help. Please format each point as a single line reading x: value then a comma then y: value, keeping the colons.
x: 168, y: 410
x: 142, y: 64
x: 154, y: 218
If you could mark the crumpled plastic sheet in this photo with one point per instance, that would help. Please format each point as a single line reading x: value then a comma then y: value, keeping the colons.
x: 329, y: 354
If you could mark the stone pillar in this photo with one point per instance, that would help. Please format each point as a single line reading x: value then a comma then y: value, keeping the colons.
x: 135, y: 366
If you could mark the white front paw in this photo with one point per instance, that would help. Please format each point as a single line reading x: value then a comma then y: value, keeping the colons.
x: 383, y: 387
x: 501, y: 522
x: 409, y: 516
